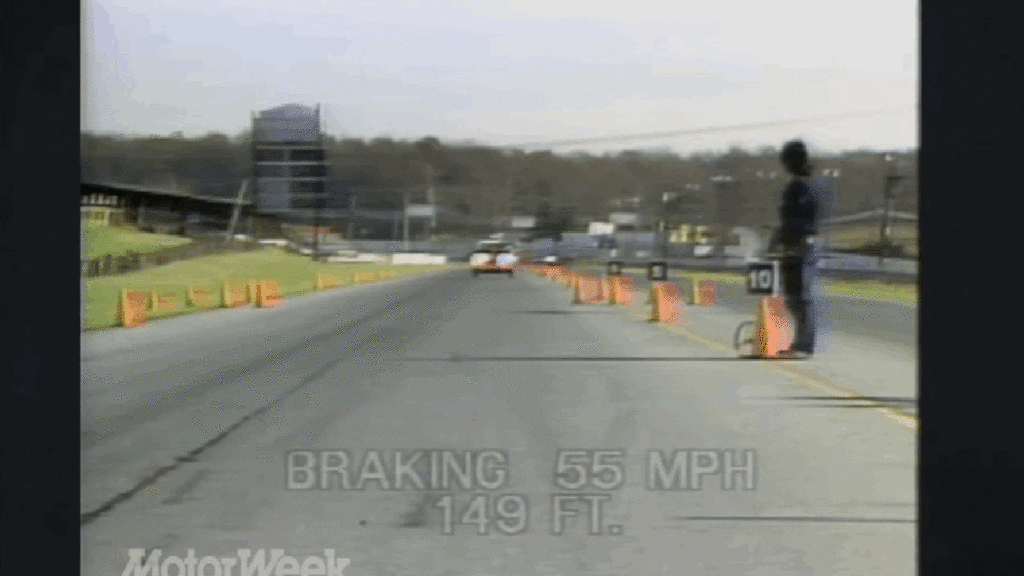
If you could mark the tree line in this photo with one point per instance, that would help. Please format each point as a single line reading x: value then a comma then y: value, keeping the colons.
x: 478, y: 182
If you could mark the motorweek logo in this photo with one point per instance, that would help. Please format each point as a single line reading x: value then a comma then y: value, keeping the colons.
x: 245, y: 563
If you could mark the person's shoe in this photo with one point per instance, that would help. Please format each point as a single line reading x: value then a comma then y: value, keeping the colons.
x: 795, y: 354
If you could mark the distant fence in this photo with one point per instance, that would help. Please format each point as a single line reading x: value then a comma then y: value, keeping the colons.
x: 110, y: 265
x: 451, y: 249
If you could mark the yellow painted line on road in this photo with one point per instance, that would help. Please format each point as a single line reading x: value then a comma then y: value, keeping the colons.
x: 798, y: 375
x: 795, y: 373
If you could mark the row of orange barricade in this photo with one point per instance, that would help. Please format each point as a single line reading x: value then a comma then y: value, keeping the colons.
x: 773, y: 324
x: 666, y: 298
x: 772, y: 327
x: 325, y: 281
x: 134, y: 306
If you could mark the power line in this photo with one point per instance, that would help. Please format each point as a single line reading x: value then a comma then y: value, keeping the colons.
x: 707, y: 130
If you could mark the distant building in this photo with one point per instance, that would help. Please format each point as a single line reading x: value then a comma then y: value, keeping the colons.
x: 103, y: 209
x: 290, y: 169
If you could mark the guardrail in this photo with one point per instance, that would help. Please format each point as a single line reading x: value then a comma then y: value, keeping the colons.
x: 832, y: 265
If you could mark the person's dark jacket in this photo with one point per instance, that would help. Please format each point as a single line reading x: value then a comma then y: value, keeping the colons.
x: 798, y: 214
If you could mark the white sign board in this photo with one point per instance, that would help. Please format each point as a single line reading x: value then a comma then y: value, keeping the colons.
x: 624, y: 218
x: 420, y: 210
x: 524, y: 222
x: 763, y: 278
x: 600, y: 228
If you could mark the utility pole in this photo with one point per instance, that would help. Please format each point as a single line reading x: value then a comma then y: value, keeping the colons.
x: 725, y: 186
x: 405, y: 219
x: 891, y: 181
x: 255, y: 175
x: 430, y: 197
x: 665, y: 197
x: 827, y: 219
x: 316, y: 227
x: 238, y: 208
x: 319, y: 194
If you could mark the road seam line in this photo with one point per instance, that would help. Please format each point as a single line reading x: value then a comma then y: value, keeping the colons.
x: 796, y: 374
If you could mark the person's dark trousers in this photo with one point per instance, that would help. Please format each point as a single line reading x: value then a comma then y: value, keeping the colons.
x: 796, y: 288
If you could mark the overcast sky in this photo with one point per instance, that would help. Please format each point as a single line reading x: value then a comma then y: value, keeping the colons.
x: 511, y: 72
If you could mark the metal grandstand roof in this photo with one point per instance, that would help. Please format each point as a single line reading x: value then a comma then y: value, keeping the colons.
x: 135, y: 188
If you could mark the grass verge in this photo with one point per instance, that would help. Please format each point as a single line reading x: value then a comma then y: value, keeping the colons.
x: 100, y: 240
x: 294, y: 274
x: 866, y: 289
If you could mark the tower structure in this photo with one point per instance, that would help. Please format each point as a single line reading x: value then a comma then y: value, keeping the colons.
x: 290, y: 171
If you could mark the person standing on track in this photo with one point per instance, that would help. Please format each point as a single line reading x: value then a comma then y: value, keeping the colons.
x: 803, y: 203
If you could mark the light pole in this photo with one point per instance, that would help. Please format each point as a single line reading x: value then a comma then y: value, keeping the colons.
x: 833, y: 195
x: 722, y: 182
x: 764, y: 187
x: 665, y: 197
x: 316, y: 228
x: 891, y: 180
x: 696, y: 212
x: 405, y: 219
x: 319, y: 194
x: 431, y: 173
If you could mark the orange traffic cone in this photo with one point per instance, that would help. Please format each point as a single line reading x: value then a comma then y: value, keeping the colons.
x: 774, y: 328
x: 666, y: 303
x: 705, y: 293
x: 622, y: 290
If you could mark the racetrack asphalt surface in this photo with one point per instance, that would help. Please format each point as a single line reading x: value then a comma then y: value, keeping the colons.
x: 187, y: 424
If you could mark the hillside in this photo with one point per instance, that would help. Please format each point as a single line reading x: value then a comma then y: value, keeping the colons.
x: 475, y: 182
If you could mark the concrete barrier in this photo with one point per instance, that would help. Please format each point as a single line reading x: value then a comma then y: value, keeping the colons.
x: 324, y: 281
x: 163, y: 301
x: 234, y: 294
x: 131, y: 308
x: 705, y: 293
x: 199, y: 296
x: 268, y: 294
x: 419, y: 258
x: 250, y: 290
